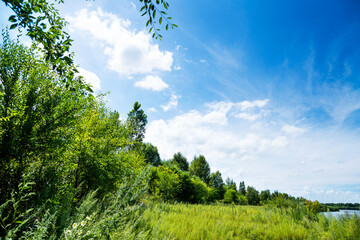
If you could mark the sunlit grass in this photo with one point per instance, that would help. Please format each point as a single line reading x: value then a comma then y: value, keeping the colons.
x: 185, y: 221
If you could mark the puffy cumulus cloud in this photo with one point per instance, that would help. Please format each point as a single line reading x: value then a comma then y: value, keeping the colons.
x: 90, y: 78
x: 264, y: 154
x: 154, y: 83
x: 172, y: 103
x: 129, y: 52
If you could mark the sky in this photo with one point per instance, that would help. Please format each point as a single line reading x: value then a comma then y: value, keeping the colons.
x: 267, y: 91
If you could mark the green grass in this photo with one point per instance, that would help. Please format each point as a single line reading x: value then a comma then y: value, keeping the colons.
x: 185, y: 221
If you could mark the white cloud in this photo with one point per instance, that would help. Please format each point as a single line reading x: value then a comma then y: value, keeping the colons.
x: 154, y: 83
x: 129, y: 52
x: 172, y: 103
x: 289, y: 129
x: 248, y: 116
x: 90, y: 78
x: 152, y: 109
x: 203, y: 61
x: 254, y: 104
x: 177, y: 68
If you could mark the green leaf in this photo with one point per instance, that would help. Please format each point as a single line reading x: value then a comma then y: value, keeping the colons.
x: 150, y: 29
x: 154, y: 13
x: 160, y: 20
x: 165, y: 5
x: 174, y: 25
x: 13, y: 26
x: 142, y: 8
x: 12, y: 18
x: 167, y: 27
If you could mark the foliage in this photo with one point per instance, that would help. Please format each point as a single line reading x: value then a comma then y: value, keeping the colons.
x: 200, y: 167
x: 231, y: 196
x: 69, y: 144
x: 242, y: 189
x: 137, y: 121
x: 265, y: 196
x: 164, y: 183
x: 151, y: 154
x: 201, y: 191
x: 252, y: 195
x: 37, y: 112
x: 216, y: 182
x: 230, y: 184
x: 181, y: 161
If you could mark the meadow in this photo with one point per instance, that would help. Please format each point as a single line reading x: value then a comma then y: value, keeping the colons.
x: 186, y: 221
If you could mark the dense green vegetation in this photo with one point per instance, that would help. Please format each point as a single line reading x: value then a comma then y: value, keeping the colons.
x: 71, y: 169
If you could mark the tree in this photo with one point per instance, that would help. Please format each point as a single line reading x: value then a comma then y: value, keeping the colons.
x: 230, y: 184
x: 151, y: 154
x: 137, y: 121
x: 187, y: 188
x: 37, y: 113
x: 181, y: 161
x: 45, y: 26
x: 217, y: 183
x: 231, y: 196
x: 242, y: 189
x: 164, y: 183
x: 200, y: 167
x: 252, y: 196
x: 265, y: 196
x: 200, y: 191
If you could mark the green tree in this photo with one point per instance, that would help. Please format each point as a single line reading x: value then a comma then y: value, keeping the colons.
x: 217, y: 183
x: 37, y: 113
x: 181, y: 161
x: 164, y: 183
x: 200, y: 167
x: 201, y: 191
x: 230, y: 184
x: 187, y: 188
x: 231, y: 196
x: 137, y: 121
x: 265, y: 196
x: 151, y: 154
x: 252, y: 196
x: 242, y: 189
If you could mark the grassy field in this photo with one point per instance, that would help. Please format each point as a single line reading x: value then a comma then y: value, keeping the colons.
x: 184, y: 221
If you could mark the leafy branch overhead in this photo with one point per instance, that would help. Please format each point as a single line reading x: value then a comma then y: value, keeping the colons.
x: 44, y: 25
x: 156, y: 16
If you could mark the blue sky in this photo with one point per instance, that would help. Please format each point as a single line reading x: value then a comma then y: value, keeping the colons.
x: 267, y: 91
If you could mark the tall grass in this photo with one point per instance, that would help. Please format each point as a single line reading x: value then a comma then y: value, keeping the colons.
x: 113, y: 217
x: 183, y: 221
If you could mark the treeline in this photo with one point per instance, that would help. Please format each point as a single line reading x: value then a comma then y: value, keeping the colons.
x: 175, y: 180
x: 341, y: 206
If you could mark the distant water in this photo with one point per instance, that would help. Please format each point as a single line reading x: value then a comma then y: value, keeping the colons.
x: 342, y: 212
